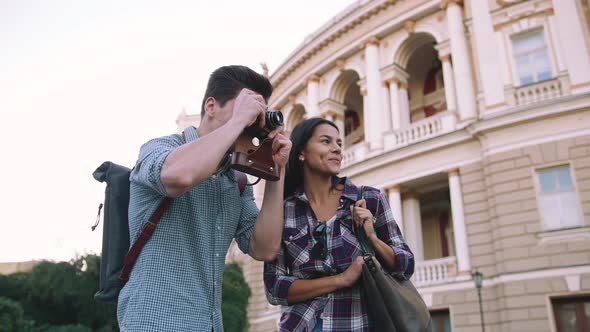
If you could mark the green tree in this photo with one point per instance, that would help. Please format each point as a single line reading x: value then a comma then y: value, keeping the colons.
x: 59, y: 296
x: 235, y: 294
x: 11, y: 316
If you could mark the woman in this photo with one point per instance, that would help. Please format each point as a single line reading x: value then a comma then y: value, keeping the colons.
x: 321, y: 259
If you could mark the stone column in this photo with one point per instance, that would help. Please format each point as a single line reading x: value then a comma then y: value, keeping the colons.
x: 573, y: 43
x: 313, y: 96
x: 459, y: 228
x: 449, y: 83
x: 386, y: 120
x: 413, y: 225
x: 374, y: 102
x: 404, y: 102
x: 487, y: 54
x: 461, y: 59
x: 394, y: 96
x: 395, y: 202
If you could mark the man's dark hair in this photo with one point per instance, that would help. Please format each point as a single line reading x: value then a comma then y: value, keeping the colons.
x: 226, y: 82
x: 300, y: 135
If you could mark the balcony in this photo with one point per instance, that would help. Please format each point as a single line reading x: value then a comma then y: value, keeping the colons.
x: 435, y: 271
x: 540, y: 91
x: 422, y: 130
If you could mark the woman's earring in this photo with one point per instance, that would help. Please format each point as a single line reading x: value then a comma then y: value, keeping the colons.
x: 301, y: 158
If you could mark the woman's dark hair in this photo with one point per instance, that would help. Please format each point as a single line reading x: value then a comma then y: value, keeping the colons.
x: 299, y: 138
x: 226, y: 82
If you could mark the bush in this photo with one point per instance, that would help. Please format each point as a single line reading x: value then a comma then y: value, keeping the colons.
x: 11, y: 316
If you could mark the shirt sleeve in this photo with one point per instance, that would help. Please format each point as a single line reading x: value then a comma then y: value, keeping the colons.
x: 276, y: 279
x: 388, y: 231
x: 151, y: 158
x: 247, y: 220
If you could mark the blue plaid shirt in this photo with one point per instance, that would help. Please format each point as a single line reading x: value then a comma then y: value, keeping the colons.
x: 343, y: 309
x: 176, y: 282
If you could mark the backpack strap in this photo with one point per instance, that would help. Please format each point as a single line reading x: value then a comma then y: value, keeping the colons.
x: 242, y: 181
x: 146, y: 233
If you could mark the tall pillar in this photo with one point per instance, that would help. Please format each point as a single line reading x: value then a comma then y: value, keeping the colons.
x: 461, y: 60
x: 395, y: 202
x: 374, y: 90
x: 404, y: 102
x: 459, y: 228
x: 386, y: 119
x: 413, y: 225
x: 313, y: 96
x: 450, y: 93
x: 572, y: 42
x: 487, y: 54
x: 396, y: 116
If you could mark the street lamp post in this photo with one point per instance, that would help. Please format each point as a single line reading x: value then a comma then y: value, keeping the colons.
x: 478, y: 278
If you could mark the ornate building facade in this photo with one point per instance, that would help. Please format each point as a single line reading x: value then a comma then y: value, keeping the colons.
x: 474, y: 117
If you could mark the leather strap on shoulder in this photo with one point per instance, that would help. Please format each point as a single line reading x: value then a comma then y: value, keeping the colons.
x: 146, y: 233
x: 242, y: 181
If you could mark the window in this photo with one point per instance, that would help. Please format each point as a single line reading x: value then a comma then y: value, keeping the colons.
x: 531, y: 58
x: 441, y: 321
x: 558, y: 201
x: 572, y: 314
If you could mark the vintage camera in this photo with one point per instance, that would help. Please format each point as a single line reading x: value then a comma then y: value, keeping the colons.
x: 252, y: 153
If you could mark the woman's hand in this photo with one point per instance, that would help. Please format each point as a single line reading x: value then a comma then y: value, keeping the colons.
x: 362, y: 217
x: 352, y: 273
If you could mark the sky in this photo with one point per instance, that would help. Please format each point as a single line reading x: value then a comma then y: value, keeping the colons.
x: 82, y: 82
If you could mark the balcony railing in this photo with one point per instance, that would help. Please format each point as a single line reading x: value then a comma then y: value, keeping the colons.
x: 538, y: 92
x: 435, y: 271
x: 422, y: 130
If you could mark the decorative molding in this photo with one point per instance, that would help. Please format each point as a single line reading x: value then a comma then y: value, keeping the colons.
x: 340, y: 64
x: 453, y: 171
x: 531, y: 10
x: 370, y: 41
x: 333, y: 108
x: 410, y: 26
x: 445, y: 58
x: 395, y: 73
x: 573, y: 282
x: 312, y: 78
x: 445, y: 3
x: 504, y: 3
x: 443, y: 48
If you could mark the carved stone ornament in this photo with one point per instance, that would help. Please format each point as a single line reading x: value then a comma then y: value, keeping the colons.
x: 370, y: 41
x: 340, y: 63
x: 410, y: 26
x: 445, y: 3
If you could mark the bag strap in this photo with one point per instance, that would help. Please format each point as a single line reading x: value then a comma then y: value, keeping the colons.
x: 146, y: 233
x: 361, y: 236
x: 242, y: 181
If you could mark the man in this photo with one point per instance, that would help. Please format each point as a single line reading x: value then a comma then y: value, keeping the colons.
x: 175, y: 284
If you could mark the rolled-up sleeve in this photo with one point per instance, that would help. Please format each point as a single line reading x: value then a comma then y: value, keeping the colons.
x: 276, y: 280
x: 248, y: 217
x: 151, y: 158
x: 388, y: 231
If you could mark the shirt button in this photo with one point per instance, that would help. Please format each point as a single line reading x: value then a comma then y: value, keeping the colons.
x: 217, y: 255
x: 214, y: 176
x: 218, y: 228
x: 215, y: 283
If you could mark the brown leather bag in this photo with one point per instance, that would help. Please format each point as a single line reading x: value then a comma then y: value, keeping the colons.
x: 393, y: 303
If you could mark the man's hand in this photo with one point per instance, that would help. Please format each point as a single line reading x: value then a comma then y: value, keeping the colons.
x: 248, y: 106
x: 281, y: 146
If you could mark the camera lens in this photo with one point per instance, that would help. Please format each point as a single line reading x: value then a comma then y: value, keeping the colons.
x: 274, y: 119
